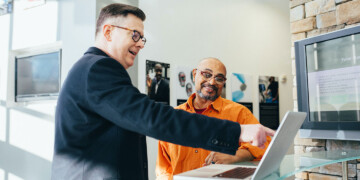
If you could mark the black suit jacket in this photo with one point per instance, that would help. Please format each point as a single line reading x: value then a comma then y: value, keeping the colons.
x: 101, y: 121
x: 162, y: 93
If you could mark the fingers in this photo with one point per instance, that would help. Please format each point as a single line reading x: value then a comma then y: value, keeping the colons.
x: 258, y: 139
x: 210, y: 158
x: 255, y: 134
x: 261, y: 137
x: 269, y: 132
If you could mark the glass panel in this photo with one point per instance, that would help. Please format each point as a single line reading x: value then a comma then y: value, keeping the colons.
x: 334, y: 79
x: 292, y: 164
x: 38, y: 74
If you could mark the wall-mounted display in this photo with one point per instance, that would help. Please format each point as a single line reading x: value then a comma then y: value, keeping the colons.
x: 157, y: 81
x: 34, y: 74
x: 328, y: 84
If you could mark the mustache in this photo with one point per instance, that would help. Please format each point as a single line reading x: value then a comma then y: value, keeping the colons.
x: 209, y: 85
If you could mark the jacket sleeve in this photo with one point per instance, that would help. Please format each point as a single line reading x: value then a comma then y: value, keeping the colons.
x: 113, y: 97
x: 163, y: 167
x: 246, y: 117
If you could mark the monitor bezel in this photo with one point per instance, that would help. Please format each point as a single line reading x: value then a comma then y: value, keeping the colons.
x: 302, y: 78
x: 39, y: 96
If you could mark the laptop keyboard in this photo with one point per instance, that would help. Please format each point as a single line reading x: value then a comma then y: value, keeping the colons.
x: 239, y: 172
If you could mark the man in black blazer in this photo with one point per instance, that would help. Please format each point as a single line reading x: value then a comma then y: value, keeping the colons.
x: 159, y: 89
x: 101, y: 119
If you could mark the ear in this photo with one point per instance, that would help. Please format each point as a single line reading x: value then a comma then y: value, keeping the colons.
x: 107, y: 32
x: 194, y: 74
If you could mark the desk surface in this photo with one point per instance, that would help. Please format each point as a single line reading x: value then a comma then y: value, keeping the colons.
x: 294, y: 163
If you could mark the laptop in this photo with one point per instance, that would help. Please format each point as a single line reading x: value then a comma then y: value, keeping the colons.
x: 270, y: 162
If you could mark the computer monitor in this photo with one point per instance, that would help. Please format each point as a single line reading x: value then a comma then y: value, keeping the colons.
x: 37, y: 77
x: 34, y: 74
x: 328, y: 84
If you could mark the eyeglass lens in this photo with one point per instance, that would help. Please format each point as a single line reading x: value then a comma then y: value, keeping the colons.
x: 137, y: 36
x: 207, y: 76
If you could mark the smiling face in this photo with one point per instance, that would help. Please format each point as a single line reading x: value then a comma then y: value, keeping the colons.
x: 209, y: 89
x: 119, y: 42
x: 158, y: 72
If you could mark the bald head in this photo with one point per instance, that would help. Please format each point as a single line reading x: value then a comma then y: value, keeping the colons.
x: 209, y: 62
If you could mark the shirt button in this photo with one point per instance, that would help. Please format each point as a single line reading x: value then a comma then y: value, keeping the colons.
x: 196, y: 151
x: 215, y: 141
x: 210, y: 111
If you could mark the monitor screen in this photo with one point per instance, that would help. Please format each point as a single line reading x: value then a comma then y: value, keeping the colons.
x: 37, y: 77
x: 333, y: 74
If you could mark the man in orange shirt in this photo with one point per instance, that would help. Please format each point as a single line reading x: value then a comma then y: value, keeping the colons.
x: 209, y: 77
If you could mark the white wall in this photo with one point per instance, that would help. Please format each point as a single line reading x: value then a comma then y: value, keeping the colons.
x: 250, y: 37
x: 27, y: 132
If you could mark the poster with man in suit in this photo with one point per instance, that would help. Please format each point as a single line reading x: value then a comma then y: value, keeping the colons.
x: 157, y: 81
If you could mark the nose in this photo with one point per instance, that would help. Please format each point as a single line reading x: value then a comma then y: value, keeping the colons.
x: 140, y: 44
x: 212, y: 81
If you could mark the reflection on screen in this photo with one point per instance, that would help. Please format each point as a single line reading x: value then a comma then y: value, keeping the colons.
x: 38, y: 75
x: 334, y: 79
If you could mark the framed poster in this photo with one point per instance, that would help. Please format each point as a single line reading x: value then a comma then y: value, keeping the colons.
x: 184, y: 84
x: 269, y: 101
x: 241, y: 89
x: 157, y: 81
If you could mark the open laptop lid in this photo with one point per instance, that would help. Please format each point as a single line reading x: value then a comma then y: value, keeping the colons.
x: 280, y: 144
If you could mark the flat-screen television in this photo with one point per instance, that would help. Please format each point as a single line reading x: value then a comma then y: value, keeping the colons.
x: 328, y: 84
x: 37, y: 76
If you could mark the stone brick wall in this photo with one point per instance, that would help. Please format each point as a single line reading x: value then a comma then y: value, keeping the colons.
x: 310, y: 18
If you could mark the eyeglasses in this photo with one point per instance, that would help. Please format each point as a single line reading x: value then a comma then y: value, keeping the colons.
x: 136, y: 34
x: 219, y: 79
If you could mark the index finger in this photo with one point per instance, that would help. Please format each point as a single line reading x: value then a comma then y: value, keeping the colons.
x: 207, y: 159
x: 269, y: 132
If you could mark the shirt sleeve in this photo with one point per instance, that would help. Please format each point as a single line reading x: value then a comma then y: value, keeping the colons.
x: 246, y: 117
x: 163, y: 167
x: 256, y: 151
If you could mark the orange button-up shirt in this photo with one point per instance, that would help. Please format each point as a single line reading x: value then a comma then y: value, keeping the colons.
x: 174, y: 159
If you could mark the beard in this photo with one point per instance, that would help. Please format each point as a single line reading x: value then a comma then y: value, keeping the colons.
x: 158, y: 77
x: 209, y: 97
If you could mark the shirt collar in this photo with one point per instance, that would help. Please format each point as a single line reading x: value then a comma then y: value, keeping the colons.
x: 97, y: 51
x: 216, y: 105
x: 158, y: 82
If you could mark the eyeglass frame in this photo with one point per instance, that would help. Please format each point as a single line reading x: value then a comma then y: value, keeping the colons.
x: 212, y: 76
x: 143, y: 39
